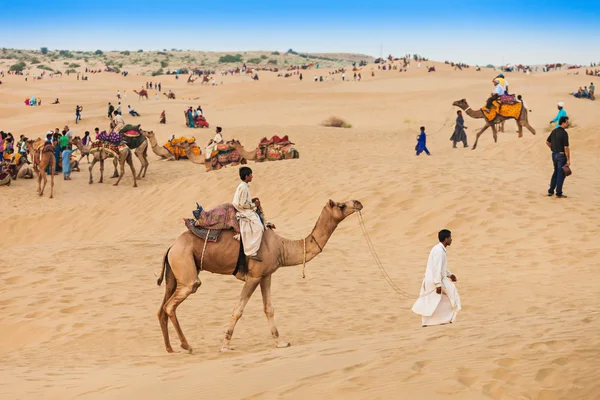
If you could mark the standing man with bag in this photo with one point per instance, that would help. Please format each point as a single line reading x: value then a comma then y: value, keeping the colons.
x: 558, y: 143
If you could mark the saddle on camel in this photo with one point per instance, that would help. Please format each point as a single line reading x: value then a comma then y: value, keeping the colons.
x: 129, y: 136
x: 274, y: 149
x: 224, y: 154
x: 505, y: 105
x: 177, y: 151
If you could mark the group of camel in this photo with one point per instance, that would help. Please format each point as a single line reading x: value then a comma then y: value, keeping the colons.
x: 143, y: 94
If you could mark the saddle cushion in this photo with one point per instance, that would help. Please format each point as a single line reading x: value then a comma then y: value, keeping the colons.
x: 221, y: 217
x: 505, y: 110
x: 508, y: 99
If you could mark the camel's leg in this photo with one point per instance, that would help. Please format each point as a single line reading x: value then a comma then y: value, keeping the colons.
x: 265, y: 288
x: 163, y: 318
x: 526, y: 125
x: 479, y: 134
x: 101, y: 170
x: 181, y: 293
x: 45, y: 180
x: 495, y: 132
x: 249, y: 288
x: 52, y: 167
x: 91, y: 168
x: 520, y: 128
x: 115, y: 162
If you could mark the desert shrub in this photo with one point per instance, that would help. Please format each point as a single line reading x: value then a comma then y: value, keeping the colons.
x: 125, y: 53
x: 140, y: 51
x: 254, y: 61
x: 164, y: 64
x: 74, y: 65
x: 275, y: 53
x: 490, y: 66
x: 71, y: 71
x: 19, y: 67
x: 158, y: 72
x: 98, y: 52
x: 290, y: 51
x: 66, y: 63
x: 228, y: 58
x: 274, y: 62
x: 65, y: 54
x: 44, y: 50
x: 120, y: 65
x: 336, y: 122
x: 42, y: 66
x: 263, y: 57
x: 35, y: 60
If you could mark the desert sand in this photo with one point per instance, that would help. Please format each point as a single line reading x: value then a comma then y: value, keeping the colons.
x: 79, y: 295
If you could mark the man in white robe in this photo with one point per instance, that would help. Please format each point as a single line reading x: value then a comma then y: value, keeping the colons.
x: 212, y: 146
x: 438, y: 302
x: 251, y: 227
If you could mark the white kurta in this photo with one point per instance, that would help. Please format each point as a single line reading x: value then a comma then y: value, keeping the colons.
x: 437, y: 309
x: 251, y: 228
x: 212, y: 146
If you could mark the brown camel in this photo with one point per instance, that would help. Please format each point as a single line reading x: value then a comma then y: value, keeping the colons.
x: 42, y: 160
x: 170, y: 96
x: 142, y: 93
x: 251, y: 155
x: 124, y: 157
x: 158, y: 150
x: 205, y: 79
x: 84, y: 150
x: 201, y: 159
x: 478, y: 114
x: 181, y: 265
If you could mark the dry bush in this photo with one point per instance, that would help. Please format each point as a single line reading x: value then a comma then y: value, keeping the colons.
x: 336, y: 122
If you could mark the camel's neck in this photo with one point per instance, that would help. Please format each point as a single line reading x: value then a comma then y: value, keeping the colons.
x: 153, y: 141
x: 248, y: 155
x: 292, y: 251
x: 196, y: 159
x: 474, y: 114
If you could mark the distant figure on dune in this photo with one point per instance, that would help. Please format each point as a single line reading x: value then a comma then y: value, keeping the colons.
x: 422, y: 143
x: 561, y: 113
x: 438, y: 301
x: 163, y: 117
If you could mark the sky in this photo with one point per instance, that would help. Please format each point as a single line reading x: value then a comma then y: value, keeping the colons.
x: 531, y: 32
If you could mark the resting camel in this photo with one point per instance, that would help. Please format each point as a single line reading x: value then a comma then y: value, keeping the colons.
x: 251, y: 155
x: 84, y: 150
x: 478, y: 114
x: 142, y: 93
x: 201, y: 159
x: 42, y: 160
x: 181, y: 266
x: 158, y: 150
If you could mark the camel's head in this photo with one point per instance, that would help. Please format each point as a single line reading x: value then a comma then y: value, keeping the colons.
x: 148, y: 133
x: 462, y: 103
x: 339, y: 211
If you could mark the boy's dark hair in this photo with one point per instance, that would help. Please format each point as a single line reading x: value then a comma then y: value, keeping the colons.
x: 443, y: 235
x: 562, y: 120
x: 422, y: 128
x: 244, y: 172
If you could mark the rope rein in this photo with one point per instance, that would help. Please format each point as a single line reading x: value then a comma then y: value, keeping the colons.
x: 204, y: 250
x: 304, y: 261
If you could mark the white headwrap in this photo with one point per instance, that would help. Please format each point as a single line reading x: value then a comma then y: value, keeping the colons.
x: 561, y: 104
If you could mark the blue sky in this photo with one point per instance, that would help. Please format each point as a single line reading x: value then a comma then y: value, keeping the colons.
x: 530, y: 32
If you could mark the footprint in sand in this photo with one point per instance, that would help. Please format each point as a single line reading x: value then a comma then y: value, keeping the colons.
x: 419, y: 365
x: 506, y: 362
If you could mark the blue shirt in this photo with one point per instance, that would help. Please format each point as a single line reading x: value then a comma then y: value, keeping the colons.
x: 561, y: 113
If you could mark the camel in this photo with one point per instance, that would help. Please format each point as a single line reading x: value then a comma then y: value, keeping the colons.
x: 200, y: 159
x: 158, y: 150
x: 205, y: 79
x: 251, y: 155
x: 42, y: 160
x: 478, y: 114
x: 84, y: 150
x: 181, y: 268
x: 170, y: 96
x: 142, y: 93
x: 124, y: 157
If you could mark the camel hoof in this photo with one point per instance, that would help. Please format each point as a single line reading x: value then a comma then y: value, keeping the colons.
x: 115, y: 184
x: 170, y: 350
x: 226, y: 349
x: 187, y: 348
x: 282, y: 345
x: 135, y: 185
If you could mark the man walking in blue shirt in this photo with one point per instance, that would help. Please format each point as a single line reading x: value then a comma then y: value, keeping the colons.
x: 561, y: 113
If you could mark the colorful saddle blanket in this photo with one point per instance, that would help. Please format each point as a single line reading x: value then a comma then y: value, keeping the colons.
x: 113, y: 138
x: 508, y: 99
x: 505, y: 110
x: 224, y: 155
x: 177, y: 151
x: 275, y: 140
x: 274, y: 152
x: 110, y: 148
x: 221, y: 217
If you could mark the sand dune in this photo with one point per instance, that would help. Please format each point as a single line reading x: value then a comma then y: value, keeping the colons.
x: 79, y: 297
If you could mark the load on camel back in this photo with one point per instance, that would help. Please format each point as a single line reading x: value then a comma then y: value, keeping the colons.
x: 129, y: 136
x: 178, y: 152
x: 506, y: 106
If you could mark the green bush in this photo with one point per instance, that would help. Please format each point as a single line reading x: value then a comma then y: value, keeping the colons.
x: 164, y: 64
x: 275, y: 53
x: 254, y: 61
x: 228, y: 58
x: 263, y: 57
x: 19, y: 67
x: 290, y: 51
x: 35, y: 60
x: 44, y: 50
x: 125, y: 53
x: 158, y: 72
x: 490, y: 66
x: 274, y: 62
x: 71, y: 71
x: 42, y: 66
x: 65, y: 53
x: 74, y: 65
x: 98, y: 52
x: 140, y: 51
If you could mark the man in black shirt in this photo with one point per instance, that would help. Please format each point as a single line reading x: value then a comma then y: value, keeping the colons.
x: 111, y: 109
x: 558, y: 142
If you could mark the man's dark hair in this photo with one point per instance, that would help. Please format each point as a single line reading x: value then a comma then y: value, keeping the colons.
x: 459, y: 112
x: 422, y: 128
x: 562, y: 120
x: 443, y: 235
x: 219, y: 129
x: 87, y: 132
x: 244, y: 172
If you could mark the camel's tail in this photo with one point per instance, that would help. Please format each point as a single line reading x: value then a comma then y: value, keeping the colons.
x: 165, y: 268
